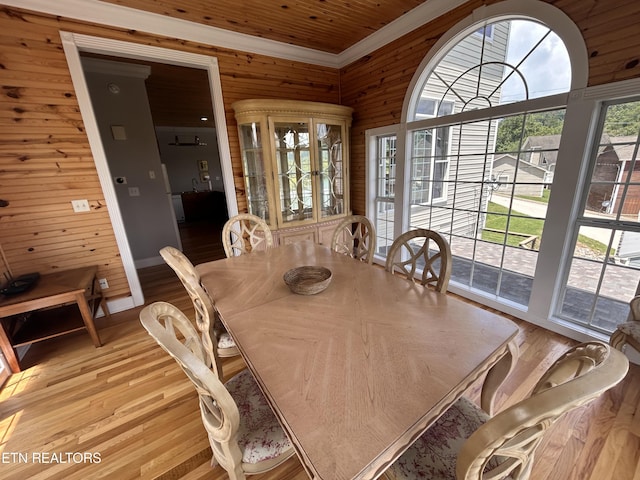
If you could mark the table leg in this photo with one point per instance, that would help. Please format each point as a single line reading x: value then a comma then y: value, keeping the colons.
x: 87, y: 317
x: 8, y: 351
x: 496, y: 375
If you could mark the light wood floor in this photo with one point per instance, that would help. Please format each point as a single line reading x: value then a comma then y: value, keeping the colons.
x: 128, y: 404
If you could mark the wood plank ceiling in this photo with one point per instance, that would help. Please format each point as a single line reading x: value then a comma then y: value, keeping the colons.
x: 325, y: 25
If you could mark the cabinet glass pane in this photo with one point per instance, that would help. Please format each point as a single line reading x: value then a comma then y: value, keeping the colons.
x: 293, y: 159
x: 255, y: 179
x: 330, y: 169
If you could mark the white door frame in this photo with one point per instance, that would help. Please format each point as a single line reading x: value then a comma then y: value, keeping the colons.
x: 73, y: 44
x: 5, y: 370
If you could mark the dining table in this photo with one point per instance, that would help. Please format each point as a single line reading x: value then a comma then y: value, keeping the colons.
x: 355, y: 373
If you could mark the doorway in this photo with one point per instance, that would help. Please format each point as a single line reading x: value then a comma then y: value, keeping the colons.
x: 169, y: 153
x: 73, y: 45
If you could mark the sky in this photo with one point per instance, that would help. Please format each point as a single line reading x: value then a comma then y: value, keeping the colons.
x: 547, y: 70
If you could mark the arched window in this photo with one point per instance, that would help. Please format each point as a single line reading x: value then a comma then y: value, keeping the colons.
x: 484, y: 158
x: 497, y: 63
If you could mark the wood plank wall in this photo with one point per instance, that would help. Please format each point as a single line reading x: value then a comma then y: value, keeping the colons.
x: 45, y: 158
x: 375, y: 86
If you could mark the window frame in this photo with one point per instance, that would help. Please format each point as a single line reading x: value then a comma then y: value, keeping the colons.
x: 581, y: 104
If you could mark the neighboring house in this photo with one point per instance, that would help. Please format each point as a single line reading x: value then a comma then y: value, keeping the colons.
x: 613, y: 164
x: 542, y: 150
x: 531, y: 178
x: 624, y: 148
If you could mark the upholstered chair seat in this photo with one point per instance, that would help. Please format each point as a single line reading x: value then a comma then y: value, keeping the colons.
x: 433, y: 456
x: 465, y: 443
x: 260, y: 437
x: 243, y: 432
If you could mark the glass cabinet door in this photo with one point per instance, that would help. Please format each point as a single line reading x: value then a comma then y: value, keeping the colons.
x: 330, y: 169
x: 294, y: 170
x: 255, y: 177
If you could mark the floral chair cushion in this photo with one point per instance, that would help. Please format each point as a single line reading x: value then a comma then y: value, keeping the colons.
x: 225, y: 341
x: 433, y: 456
x: 260, y: 436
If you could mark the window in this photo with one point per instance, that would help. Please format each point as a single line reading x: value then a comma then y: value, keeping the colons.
x: 483, y: 157
x: 460, y: 169
x: 604, y: 269
x: 385, y: 190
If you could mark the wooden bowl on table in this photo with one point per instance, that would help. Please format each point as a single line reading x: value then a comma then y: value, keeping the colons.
x: 308, y: 280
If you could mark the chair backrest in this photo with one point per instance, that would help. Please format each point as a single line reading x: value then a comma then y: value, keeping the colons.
x: 176, y: 335
x: 634, y: 308
x: 356, y: 237
x: 245, y: 233
x: 509, y: 439
x: 202, y: 303
x: 422, y: 248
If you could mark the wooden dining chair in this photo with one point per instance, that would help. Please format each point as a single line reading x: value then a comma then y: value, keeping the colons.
x: 244, y: 233
x: 628, y: 333
x: 422, y: 249
x: 215, y: 338
x: 355, y: 236
x: 466, y: 444
x: 243, y: 432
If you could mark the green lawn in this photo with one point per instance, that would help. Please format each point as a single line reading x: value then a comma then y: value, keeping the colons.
x: 543, y: 199
x: 521, y: 227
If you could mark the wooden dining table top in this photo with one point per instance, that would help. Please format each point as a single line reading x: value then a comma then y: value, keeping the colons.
x: 357, y: 372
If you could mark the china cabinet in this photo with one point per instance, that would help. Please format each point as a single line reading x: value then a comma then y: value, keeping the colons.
x: 295, y: 159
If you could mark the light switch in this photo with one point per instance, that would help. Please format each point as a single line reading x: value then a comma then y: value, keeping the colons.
x: 134, y: 192
x: 118, y: 132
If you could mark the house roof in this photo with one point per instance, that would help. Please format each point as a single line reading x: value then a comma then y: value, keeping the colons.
x: 624, y: 146
x: 548, y: 144
x: 511, y: 160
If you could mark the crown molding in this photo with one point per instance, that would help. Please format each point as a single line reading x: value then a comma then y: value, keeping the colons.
x: 423, y: 13
x: 95, y: 11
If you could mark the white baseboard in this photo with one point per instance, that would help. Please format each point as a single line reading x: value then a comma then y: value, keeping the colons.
x: 117, y: 305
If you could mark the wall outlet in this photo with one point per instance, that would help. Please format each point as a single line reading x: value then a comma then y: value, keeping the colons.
x: 80, y: 205
x: 103, y: 283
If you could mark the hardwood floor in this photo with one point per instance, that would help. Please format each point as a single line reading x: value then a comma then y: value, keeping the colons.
x: 126, y: 410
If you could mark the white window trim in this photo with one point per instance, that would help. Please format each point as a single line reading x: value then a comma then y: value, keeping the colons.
x: 553, y: 17
x: 582, y: 107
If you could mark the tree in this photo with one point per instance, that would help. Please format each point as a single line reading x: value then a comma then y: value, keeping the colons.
x: 513, y: 131
x: 623, y: 119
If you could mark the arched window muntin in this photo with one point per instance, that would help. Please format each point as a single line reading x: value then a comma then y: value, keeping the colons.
x: 581, y: 107
x: 433, y: 181
x: 479, y: 84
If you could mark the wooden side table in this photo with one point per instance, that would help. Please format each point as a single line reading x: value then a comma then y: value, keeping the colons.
x: 60, y: 303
